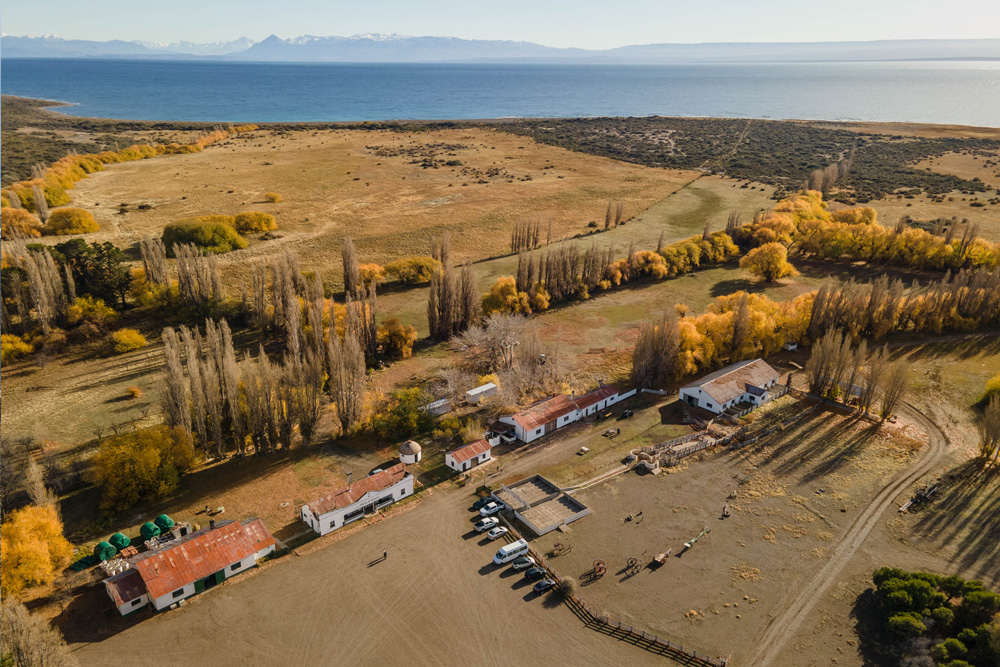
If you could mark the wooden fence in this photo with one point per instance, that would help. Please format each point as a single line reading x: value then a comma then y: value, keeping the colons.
x: 613, y: 628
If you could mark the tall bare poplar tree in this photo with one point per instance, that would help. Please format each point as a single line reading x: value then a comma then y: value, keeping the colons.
x: 352, y: 276
x: 346, y: 370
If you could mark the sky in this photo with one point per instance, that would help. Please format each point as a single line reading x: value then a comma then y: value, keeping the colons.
x: 560, y: 23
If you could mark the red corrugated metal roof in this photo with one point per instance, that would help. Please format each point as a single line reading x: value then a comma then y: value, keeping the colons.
x: 349, y: 495
x: 544, y: 411
x: 193, y: 558
x: 596, y: 396
x: 125, y: 587
x: 468, y: 451
x: 260, y: 537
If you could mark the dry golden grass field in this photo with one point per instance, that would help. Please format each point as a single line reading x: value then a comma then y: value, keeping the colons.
x: 963, y: 165
x: 375, y: 187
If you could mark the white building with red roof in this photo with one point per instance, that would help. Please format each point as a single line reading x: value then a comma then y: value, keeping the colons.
x: 469, y: 456
x: 557, y: 411
x: 352, y: 502
x: 184, y: 567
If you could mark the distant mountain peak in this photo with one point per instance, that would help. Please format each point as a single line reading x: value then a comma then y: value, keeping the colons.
x: 395, y: 48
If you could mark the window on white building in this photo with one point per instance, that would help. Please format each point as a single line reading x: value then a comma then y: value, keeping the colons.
x: 179, y: 592
x: 235, y: 566
x: 136, y: 602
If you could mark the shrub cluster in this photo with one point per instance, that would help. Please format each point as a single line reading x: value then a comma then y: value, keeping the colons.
x: 211, y: 233
x: 18, y: 222
x: 954, y: 614
x: 413, y: 270
x: 254, y: 222
x: 127, y: 340
x: 65, y: 221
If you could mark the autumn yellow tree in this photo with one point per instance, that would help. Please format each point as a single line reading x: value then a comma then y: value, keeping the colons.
x: 396, y: 340
x: 503, y: 297
x: 144, y: 465
x: 768, y: 262
x: 32, y: 549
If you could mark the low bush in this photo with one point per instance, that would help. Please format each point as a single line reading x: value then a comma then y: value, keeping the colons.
x: 413, y: 270
x: 211, y: 233
x: 13, y: 348
x: 64, y: 221
x: 127, y: 340
x: 371, y: 273
x: 254, y: 222
x: 89, y: 309
x: 17, y: 221
x: 134, y: 392
x: 273, y: 198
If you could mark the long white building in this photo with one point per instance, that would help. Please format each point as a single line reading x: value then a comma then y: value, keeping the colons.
x: 557, y: 411
x: 354, y: 501
x: 179, y: 569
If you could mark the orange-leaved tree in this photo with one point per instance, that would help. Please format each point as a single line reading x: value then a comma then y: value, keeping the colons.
x: 768, y: 262
x: 32, y: 548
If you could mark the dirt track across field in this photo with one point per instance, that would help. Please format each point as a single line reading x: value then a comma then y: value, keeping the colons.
x: 782, y: 628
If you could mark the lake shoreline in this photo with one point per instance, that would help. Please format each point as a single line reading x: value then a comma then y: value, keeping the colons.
x: 50, y: 108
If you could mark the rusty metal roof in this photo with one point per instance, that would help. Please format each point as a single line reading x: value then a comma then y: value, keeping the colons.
x: 544, y: 411
x: 125, y: 586
x: 193, y: 557
x: 258, y: 534
x: 466, y: 452
x: 596, y: 396
x: 349, y: 495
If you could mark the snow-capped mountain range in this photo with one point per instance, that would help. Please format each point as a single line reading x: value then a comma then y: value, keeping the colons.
x: 377, y: 47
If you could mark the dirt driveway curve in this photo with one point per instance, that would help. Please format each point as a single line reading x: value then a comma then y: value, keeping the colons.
x: 781, y: 629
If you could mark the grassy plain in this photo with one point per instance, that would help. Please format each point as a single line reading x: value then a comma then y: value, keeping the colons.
x: 392, y: 192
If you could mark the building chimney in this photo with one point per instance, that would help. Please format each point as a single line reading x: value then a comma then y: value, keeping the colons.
x: 600, y: 384
x: 211, y: 524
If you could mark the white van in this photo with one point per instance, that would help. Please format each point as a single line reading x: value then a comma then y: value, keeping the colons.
x: 511, y: 551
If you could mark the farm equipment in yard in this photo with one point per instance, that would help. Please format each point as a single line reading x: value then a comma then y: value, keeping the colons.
x: 705, y: 531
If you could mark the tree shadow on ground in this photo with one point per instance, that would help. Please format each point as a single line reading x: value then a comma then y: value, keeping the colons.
x: 968, y: 503
x: 872, y: 645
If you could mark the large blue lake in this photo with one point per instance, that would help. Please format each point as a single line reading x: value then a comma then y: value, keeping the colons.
x: 932, y: 92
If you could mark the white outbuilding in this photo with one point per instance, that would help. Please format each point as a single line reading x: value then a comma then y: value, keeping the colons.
x: 354, y: 501
x: 469, y: 456
x: 473, y: 396
x: 409, y: 452
x: 741, y: 387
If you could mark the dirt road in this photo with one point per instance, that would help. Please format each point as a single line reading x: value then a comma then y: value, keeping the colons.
x: 783, y: 627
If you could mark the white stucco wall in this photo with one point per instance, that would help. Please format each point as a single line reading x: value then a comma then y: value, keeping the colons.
x: 129, y: 607
x: 335, y: 519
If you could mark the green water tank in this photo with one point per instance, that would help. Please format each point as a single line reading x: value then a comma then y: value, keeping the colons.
x: 105, y: 551
x: 149, y: 530
x: 164, y: 522
x: 119, y: 541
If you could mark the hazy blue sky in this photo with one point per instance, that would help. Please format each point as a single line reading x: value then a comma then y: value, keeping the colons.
x: 581, y: 23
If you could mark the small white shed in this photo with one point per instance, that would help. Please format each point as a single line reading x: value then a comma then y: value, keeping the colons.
x: 473, y: 396
x: 438, y: 408
x: 409, y: 452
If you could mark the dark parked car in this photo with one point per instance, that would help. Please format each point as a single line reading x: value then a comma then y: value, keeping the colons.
x: 534, y: 574
x: 544, y: 585
x: 627, y: 413
x: 479, y: 504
